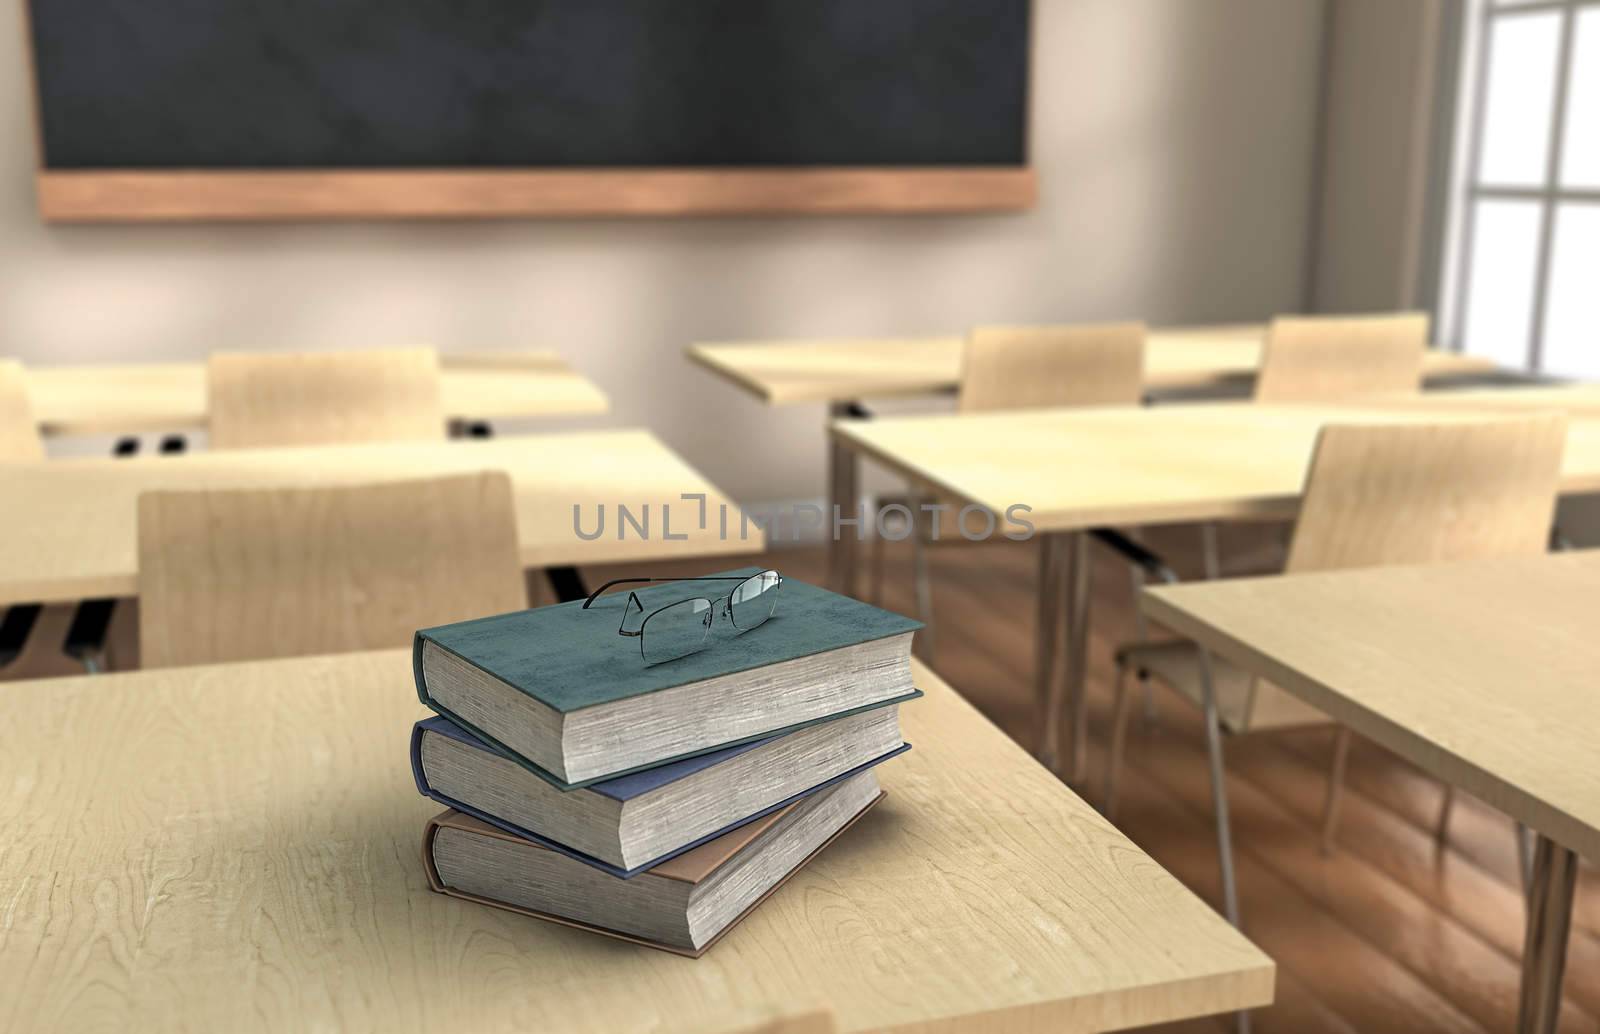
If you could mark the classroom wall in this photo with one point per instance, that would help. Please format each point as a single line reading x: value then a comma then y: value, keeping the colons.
x: 1174, y: 141
x: 1380, y: 148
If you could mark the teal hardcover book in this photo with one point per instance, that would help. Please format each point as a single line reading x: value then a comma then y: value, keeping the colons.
x: 561, y: 691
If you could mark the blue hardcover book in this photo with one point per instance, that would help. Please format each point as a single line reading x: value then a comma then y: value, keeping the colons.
x: 628, y: 824
x: 562, y: 692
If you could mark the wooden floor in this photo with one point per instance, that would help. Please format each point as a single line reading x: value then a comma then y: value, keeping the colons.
x: 1391, y: 933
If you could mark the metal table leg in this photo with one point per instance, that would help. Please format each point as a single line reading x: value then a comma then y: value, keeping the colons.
x: 1544, y: 950
x: 566, y: 583
x: 1080, y: 575
x: 1047, y: 631
x: 1072, y: 549
x: 842, y: 489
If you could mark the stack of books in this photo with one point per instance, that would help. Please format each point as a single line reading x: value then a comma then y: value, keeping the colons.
x: 659, y: 802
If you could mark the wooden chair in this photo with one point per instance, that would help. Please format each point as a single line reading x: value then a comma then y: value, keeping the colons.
x: 1038, y: 367
x: 1335, y: 358
x: 260, y: 400
x: 1374, y: 494
x: 1029, y: 368
x: 232, y: 575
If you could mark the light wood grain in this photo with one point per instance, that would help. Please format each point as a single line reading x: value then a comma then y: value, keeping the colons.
x: 19, y: 436
x: 1429, y: 493
x: 1028, y: 367
x: 1580, y: 398
x: 1336, y: 358
x: 1393, y: 932
x: 133, y: 397
x: 1145, y: 465
x: 819, y: 1021
x: 1480, y: 673
x: 1375, y: 495
x: 185, y: 849
x: 508, y: 384
x: 67, y: 528
x: 256, y: 195
x: 265, y: 399
x: 245, y: 574
x: 791, y: 372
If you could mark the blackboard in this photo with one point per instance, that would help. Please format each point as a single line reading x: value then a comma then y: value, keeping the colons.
x: 450, y: 84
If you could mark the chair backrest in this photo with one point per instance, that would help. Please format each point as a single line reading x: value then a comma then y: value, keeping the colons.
x: 19, y: 433
x: 228, y: 575
x: 1033, y: 367
x: 1331, y: 358
x: 259, y: 400
x: 1433, y: 493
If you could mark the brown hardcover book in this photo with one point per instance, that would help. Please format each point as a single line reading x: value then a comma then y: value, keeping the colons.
x: 684, y: 905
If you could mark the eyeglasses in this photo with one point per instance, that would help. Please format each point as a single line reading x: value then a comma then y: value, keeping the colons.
x: 681, y: 628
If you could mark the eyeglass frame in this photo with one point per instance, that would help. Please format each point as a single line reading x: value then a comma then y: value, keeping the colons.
x: 634, y: 601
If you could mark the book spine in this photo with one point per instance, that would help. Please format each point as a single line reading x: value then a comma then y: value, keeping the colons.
x: 416, y: 672
x: 428, y: 833
x: 416, y: 761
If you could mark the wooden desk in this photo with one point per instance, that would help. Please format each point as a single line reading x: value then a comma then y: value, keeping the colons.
x: 136, y: 397
x: 238, y: 847
x: 1121, y: 466
x: 68, y: 527
x: 836, y: 371
x: 1482, y: 674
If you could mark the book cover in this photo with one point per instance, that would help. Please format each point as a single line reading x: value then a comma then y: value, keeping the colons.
x: 621, y: 788
x: 576, y: 659
x: 569, y: 658
x: 690, y: 867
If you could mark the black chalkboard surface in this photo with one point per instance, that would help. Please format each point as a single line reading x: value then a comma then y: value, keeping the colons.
x: 371, y: 84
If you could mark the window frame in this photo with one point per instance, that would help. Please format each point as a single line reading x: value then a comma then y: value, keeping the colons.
x: 1467, y: 187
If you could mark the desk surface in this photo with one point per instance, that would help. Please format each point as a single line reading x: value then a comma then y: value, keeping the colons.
x: 184, y: 848
x: 1134, y: 465
x: 68, y: 527
x: 112, y: 399
x: 1483, y: 674
x: 783, y: 372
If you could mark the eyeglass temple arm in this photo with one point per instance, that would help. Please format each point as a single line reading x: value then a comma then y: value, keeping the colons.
x: 629, y: 581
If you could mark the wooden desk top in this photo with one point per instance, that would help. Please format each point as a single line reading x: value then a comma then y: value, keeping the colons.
x: 1144, y: 465
x: 1484, y: 674
x: 238, y: 847
x: 68, y: 527
x: 784, y: 372
x: 134, y: 397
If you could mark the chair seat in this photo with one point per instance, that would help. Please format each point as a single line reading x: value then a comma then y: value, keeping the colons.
x: 1178, y: 665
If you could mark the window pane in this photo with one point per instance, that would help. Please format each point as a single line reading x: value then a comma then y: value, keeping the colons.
x: 1521, y: 92
x: 1580, y: 152
x: 1572, y: 317
x: 1505, y: 248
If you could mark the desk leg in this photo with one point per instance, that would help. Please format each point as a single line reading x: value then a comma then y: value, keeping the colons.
x: 842, y: 490
x: 1048, y: 631
x: 1064, y: 571
x: 1080, y: 571
x: 1544, y: 950
x: 566, y: 583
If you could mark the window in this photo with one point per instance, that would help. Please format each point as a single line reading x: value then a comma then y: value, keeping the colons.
x: 1522, y: 272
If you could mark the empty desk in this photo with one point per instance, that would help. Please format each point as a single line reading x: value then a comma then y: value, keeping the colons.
x: 68, y: 528
x: 237, y: 847
x: 1482, y: 674
x: 138, y: 397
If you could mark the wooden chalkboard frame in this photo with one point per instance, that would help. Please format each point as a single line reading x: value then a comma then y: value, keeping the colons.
x: 269, y: 195
x: 333, y: 194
